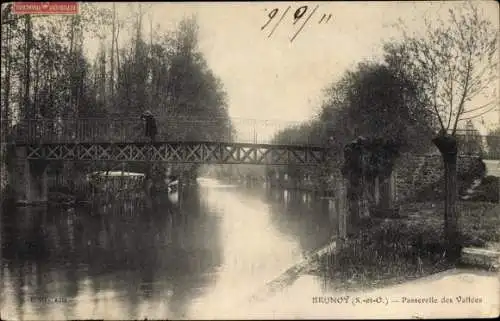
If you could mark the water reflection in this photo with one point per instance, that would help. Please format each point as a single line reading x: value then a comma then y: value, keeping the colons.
x: 305, y: 214
x: 195, y: 254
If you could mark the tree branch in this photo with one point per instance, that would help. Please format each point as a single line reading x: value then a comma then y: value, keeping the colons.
x: 436, y: 111
x: 464, y: 93
x: 478, y: 108
x: 472, y: 117
x: 451, y: 98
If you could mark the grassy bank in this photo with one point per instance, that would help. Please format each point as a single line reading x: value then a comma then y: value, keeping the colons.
x: 393, y: 251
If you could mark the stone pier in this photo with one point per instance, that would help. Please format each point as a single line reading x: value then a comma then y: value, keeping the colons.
x: 29, y: 179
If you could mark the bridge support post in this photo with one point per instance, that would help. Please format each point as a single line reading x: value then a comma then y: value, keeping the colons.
x: 30, y: 179
x: 148, y: 186
x: 342, y: 212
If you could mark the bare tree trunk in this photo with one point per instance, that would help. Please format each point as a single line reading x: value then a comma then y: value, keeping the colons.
x: 37, y: 85
x: 102, y: 75
x: 27, y: 67
x: 117, y: 55
x: 71, y: 65
x: 112, y: 58
x: 447, y: 145
x: 150, y: 65
x: 450, y: 211
x: 7, y: 84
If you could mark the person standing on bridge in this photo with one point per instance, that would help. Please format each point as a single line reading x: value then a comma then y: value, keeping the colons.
x: 150, y: 128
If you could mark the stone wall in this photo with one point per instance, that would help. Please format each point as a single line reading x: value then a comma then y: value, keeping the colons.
x: 414, y: 173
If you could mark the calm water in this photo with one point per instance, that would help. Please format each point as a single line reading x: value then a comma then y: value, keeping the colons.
x: 203, y: 254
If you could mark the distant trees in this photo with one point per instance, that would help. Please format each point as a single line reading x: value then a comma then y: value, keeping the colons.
x: 170, y: 77
x: 300, y: 133
x: 375, y: 100
x: 307, y: 133
x: 44, y: 71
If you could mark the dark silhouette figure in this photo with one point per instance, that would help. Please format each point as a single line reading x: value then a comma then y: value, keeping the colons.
x: 150, y: 127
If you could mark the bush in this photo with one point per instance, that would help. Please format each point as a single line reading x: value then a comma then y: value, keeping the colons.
x: 409, y: 247
x: 388, y: 250
x: 435, y: 191
x: 488, y: 191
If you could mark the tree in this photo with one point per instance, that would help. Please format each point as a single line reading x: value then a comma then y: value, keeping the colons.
x: 381, y: 105
x: 28, y: 43
x: 193, y: 91
x: 454, y: 62
x: 303, y: 133
x: 378, y: 101
x: 169, y: 76
x: 8, y: 21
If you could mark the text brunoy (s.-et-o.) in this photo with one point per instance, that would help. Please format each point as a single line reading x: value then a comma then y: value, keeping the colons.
x: 358, y: 300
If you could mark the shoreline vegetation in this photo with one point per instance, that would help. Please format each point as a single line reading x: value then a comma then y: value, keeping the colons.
x: 391, y: 251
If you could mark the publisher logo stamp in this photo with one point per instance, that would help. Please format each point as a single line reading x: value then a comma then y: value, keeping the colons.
x: 67, y: 7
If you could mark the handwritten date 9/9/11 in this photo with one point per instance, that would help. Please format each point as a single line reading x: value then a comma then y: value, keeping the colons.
x: 301, y: 14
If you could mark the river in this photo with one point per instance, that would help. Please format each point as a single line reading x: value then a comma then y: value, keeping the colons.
x: 197, y: 258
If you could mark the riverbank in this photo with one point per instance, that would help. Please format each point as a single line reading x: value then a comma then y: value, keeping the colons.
x: 393, y: 251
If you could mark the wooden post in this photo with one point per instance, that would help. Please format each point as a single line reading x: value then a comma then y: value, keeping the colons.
x: 44, y: 186
x: 342, y: 212
x: 180, y: 188
x: 148, y: 185
x: 28, y: 182
x: 363, y: 199
x: 392, y: 188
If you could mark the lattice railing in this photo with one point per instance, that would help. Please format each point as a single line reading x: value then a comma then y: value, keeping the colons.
x: 179, y: 152
x: 132, y: 130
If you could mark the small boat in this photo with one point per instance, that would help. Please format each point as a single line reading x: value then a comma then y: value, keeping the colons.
x: 115, y: 179
x: 114, y: 174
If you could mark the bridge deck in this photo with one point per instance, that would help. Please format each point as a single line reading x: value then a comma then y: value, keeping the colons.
x: 178, y: 152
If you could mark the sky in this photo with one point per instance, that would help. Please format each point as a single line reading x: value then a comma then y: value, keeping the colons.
x: 273, y: 78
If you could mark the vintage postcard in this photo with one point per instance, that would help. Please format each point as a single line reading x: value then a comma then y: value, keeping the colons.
x: 250, y: 160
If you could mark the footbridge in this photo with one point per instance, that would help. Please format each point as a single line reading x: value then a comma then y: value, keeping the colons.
x: 39, y: 142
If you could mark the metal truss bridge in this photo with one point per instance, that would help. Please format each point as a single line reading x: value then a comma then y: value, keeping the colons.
x: 179, y: 152
x: 178, y: 141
